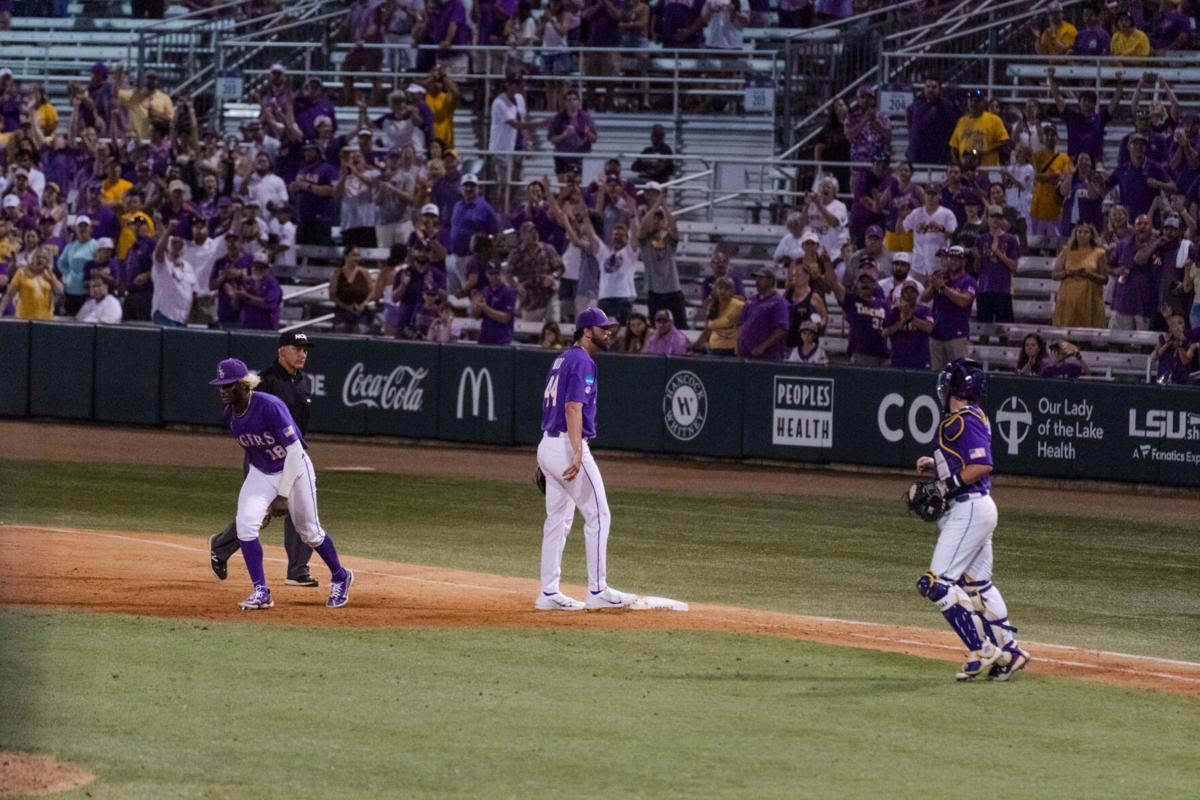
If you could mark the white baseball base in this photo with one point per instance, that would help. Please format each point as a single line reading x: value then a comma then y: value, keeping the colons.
x: 648, y: 603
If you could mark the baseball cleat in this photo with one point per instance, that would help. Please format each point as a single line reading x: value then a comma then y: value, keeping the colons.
x: 609, y: 598
x: 259, y: 601
x: 557, y: 602
x: 1018, y: 658
x: 339, y: 591
x: 220, y: 566
x: 304, y: 580
x: 979, y: 662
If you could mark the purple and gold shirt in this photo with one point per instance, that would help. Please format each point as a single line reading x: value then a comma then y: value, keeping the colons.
x: 965, y: 437
x: 264, y: 431
x: 571, y: 379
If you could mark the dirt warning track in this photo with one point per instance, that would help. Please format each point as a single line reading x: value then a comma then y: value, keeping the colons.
x: 168, y: 576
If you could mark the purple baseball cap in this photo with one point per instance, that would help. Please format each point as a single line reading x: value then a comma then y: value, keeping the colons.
x: 231, y: 370
x: 874, y: 230
x: 595, y: 318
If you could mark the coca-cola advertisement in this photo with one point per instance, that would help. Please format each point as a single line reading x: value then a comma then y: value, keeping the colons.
x: 398, y: 390
x: 388, y: 387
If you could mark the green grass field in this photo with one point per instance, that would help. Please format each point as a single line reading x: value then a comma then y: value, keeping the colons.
x: 174, y: 708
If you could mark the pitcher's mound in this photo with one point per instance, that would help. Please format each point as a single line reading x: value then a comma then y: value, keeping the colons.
x: 23, y: 774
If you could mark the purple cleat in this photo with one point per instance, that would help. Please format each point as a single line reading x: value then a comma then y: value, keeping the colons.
x: 259, y: 601
x: 339, y: 591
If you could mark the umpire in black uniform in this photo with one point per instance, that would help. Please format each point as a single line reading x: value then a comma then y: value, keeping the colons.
x: 286, y: 380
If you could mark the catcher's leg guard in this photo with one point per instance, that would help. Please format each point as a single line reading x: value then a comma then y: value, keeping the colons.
x: 989, y: 606
x: 955, y: 605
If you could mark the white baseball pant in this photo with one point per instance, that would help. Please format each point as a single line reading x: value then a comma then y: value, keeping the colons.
x: 585, y: 492
x: 259, y: 489
x: 964, y: 542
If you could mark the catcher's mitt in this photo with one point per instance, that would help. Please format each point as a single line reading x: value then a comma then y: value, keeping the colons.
x: 926, y: 499
x: 539, y: 480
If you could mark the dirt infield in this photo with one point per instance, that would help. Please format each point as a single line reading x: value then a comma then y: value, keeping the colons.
x: 168, y: 576
x: 28, y: 775
x: 54, y: 442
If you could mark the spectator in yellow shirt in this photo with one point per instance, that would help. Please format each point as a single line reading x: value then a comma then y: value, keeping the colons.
x: 1058, y: 37
x: 34, y: 286
x: 1128, y: 41
x: 1049, y: 165
x: 441, y: 96
x: 980, y: 130
x: 146, y: 105
x: 114, y: 187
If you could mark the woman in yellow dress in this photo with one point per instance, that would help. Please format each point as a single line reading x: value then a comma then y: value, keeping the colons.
x: 1082, y: 268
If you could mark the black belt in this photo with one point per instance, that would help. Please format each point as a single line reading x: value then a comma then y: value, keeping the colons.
x: 962, y: 498
x: 556, y: 434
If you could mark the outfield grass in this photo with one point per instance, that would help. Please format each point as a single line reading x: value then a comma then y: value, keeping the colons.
x: 1090, y: 582
x: 172, y: 708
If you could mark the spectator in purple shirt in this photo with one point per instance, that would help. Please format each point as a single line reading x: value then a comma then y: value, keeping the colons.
x: 572, y: 130
x: 872, y: 190
x: 865, y: 310
x: 1091, y: 39
x: 1135, y: 293
x: 1085, y: 123
x: 681, y: 23
x: 998, y: 252
x: 666, y: 339
x: 536, y: 209
x: 931, y: 122
x: 604, y: 33
x: 259, y: 297
x: 1175, y: 354
x: 316, y: 206
x: 763, y: 332
x: 447, y: 28
x: 952, y: 291
x: 494, y: 306
x: 1172, y: 30
x: 471, y: 215
x: 447, y: 189
x: 1068, y: 363
x: 310, y: 106
x: 137, y: 280
x: 868, y: 129
x: 1082, y: 190
x: 907, y: 327
x: 1139, y: 180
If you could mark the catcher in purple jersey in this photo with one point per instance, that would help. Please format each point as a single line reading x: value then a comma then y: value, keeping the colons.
x: 959, y: 579
x: 280, y: 480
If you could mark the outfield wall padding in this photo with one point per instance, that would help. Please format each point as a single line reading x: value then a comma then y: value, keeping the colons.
x: 14, y: 367
x: 128, y: 374
x: 699, y: 406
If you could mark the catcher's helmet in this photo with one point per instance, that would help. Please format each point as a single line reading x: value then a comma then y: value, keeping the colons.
x: 963, y: 378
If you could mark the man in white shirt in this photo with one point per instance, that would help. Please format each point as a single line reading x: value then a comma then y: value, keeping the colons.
x: 791, y: 245
x: 100, y: 306
x: 617, y: 290
x: 202, y: 252
x: 174, y: 284
x: 508, y: 133
x: 724, y: 22
x: 281, y: 241
x: 901, y: 274
x: 931, y: 225
x: 263, y: 186
x: 828, y: 217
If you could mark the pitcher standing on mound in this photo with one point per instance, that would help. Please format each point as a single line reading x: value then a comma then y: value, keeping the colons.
x: 280, y: 480
x: 571, y: 476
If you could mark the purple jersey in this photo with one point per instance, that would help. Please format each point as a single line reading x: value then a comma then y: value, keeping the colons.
x: 865, y: 319
x: 950, y: 320
x: 965, y: 437
x: 571, y: 379
x: 264, y: 431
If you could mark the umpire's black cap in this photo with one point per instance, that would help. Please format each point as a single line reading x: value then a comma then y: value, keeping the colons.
x: 295, y: 339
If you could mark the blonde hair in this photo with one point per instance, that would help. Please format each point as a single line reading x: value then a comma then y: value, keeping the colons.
x: 1073, y: 244
x: 251, y: 381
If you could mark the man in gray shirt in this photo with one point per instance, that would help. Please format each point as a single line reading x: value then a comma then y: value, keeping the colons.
x: 658, y: 238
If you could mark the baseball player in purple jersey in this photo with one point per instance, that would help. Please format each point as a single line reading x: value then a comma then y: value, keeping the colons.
x: 959, y: 580
x: 572, y: 477
x: 280, y: 480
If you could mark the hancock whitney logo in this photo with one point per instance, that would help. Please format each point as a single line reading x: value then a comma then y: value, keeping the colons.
x: 685, y: 405
x: 1013, y: 420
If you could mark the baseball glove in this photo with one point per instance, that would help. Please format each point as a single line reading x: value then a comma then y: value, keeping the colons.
x: 539, y: 480
x: 926, y: 499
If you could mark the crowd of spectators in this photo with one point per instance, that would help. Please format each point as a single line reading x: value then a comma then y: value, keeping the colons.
x: 128, y: 209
